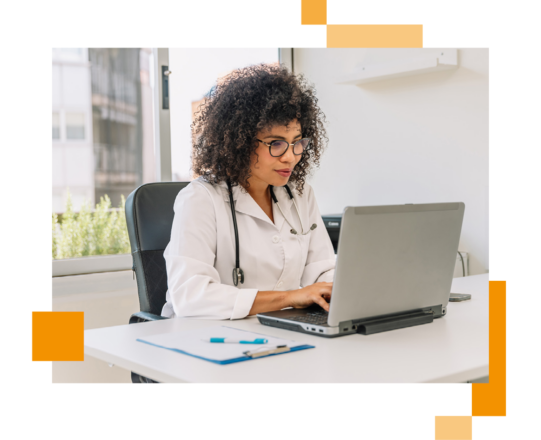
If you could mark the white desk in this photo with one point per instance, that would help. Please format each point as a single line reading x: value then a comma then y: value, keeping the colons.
x: 451, y: 349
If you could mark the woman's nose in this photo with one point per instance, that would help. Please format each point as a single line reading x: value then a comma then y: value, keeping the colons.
x: 288, y: 156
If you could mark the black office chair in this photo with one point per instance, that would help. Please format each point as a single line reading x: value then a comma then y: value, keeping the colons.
x: 149, y: 217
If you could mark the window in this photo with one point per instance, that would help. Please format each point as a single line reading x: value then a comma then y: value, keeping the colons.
x: 75, y: 126
x: 194, y: 73
x: 102, y: 129
x: 103, y: 134
x: 56, y: 126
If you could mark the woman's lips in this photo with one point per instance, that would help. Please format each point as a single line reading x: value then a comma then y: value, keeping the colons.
x: 284, y: 173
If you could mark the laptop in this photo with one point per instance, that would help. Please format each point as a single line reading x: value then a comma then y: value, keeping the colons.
x: 394, y: 269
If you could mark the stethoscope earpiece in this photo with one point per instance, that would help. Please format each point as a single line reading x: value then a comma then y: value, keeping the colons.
x: 294, y: 231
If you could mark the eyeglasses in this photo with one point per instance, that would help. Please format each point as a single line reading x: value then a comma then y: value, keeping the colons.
x: 279, y: 148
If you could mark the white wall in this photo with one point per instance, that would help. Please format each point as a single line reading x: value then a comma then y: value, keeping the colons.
x: 418, y: 139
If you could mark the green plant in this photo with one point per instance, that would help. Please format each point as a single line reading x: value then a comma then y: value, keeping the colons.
x: 55, y: 233
x: 99, y: 232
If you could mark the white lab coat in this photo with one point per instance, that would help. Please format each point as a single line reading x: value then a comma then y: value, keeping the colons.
x: 200, y: 257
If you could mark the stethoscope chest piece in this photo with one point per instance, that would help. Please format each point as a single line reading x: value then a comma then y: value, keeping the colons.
x: 238, y: 276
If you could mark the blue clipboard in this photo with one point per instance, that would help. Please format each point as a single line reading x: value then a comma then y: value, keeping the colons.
x: 191, y: 343
x: 229, y: 361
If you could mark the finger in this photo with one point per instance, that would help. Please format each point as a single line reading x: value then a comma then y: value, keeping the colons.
x: 319, y: 300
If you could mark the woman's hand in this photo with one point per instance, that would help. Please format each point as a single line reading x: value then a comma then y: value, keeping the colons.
x: 318, y: 293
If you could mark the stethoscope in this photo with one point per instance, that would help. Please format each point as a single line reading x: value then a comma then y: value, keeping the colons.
x: 238, y: 273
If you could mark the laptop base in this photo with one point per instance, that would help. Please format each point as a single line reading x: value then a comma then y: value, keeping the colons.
x: 364, y: 326
x: 322, y: 331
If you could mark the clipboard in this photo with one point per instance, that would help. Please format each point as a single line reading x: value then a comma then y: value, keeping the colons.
x: 191, y: 343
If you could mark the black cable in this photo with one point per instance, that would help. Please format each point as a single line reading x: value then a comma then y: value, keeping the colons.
x: 463, y: 270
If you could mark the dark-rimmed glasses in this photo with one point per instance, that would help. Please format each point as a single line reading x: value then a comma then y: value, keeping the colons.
x: 279, y: 148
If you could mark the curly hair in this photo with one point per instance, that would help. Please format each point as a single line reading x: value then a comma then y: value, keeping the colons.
x: 247, y: 101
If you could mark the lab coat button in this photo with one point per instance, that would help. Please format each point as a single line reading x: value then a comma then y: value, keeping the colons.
x: 275, y: 239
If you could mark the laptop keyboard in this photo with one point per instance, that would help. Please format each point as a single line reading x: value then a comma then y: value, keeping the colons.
x: 316, y: 318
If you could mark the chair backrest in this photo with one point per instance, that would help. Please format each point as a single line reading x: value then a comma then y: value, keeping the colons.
x: 149, y: 216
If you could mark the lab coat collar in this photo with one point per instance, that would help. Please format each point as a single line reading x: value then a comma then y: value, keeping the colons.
x: 245, y: 204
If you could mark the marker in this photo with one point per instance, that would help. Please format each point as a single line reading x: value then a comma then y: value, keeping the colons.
x: 236, y: 341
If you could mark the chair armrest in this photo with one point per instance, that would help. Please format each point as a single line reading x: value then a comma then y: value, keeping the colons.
x: 144, y: 317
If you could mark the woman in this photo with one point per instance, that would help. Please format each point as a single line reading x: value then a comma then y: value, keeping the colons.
x: 258, y: 131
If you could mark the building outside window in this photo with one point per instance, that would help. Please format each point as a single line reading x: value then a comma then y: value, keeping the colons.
x: 56, y: 126
x: 102, y: 128
x: 121, y: 121
x: 75, y: 126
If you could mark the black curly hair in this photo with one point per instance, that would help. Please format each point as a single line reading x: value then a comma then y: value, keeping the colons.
x: 247, y: 101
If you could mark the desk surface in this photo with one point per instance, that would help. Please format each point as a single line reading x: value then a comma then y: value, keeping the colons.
x: 451, y: 349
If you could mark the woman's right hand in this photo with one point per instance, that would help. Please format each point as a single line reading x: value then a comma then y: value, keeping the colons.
x: 318, y: 293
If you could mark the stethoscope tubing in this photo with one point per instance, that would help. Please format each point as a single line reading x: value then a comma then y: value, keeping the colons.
x: 238, y: 274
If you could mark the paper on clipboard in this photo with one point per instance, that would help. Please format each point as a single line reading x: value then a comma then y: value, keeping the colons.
x: 191, y: 343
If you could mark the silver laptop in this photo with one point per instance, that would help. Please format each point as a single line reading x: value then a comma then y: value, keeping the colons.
x: 394, y: 269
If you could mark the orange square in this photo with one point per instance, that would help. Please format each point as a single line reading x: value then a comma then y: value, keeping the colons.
x: 314, y: 12
x: 453, y: 428
x: 58, y: 336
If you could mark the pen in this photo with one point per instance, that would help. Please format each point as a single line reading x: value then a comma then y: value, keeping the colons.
x: 273, y: 350
x: 236, y: 341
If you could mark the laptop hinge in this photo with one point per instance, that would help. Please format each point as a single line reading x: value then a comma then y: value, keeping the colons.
x: 395, y: 322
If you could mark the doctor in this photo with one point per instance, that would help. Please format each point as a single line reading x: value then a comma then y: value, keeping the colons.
x: 259, y: 130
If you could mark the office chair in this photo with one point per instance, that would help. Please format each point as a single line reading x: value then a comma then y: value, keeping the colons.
x: 149, y: 217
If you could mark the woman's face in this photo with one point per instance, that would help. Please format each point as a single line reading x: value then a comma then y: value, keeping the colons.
x: 266, y: 169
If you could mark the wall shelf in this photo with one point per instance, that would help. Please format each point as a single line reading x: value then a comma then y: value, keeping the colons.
x: 445, y: 59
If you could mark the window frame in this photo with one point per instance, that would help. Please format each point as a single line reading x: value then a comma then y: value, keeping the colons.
x: 286, y: 56
x: 162, y: 120
x: 91, y: 264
